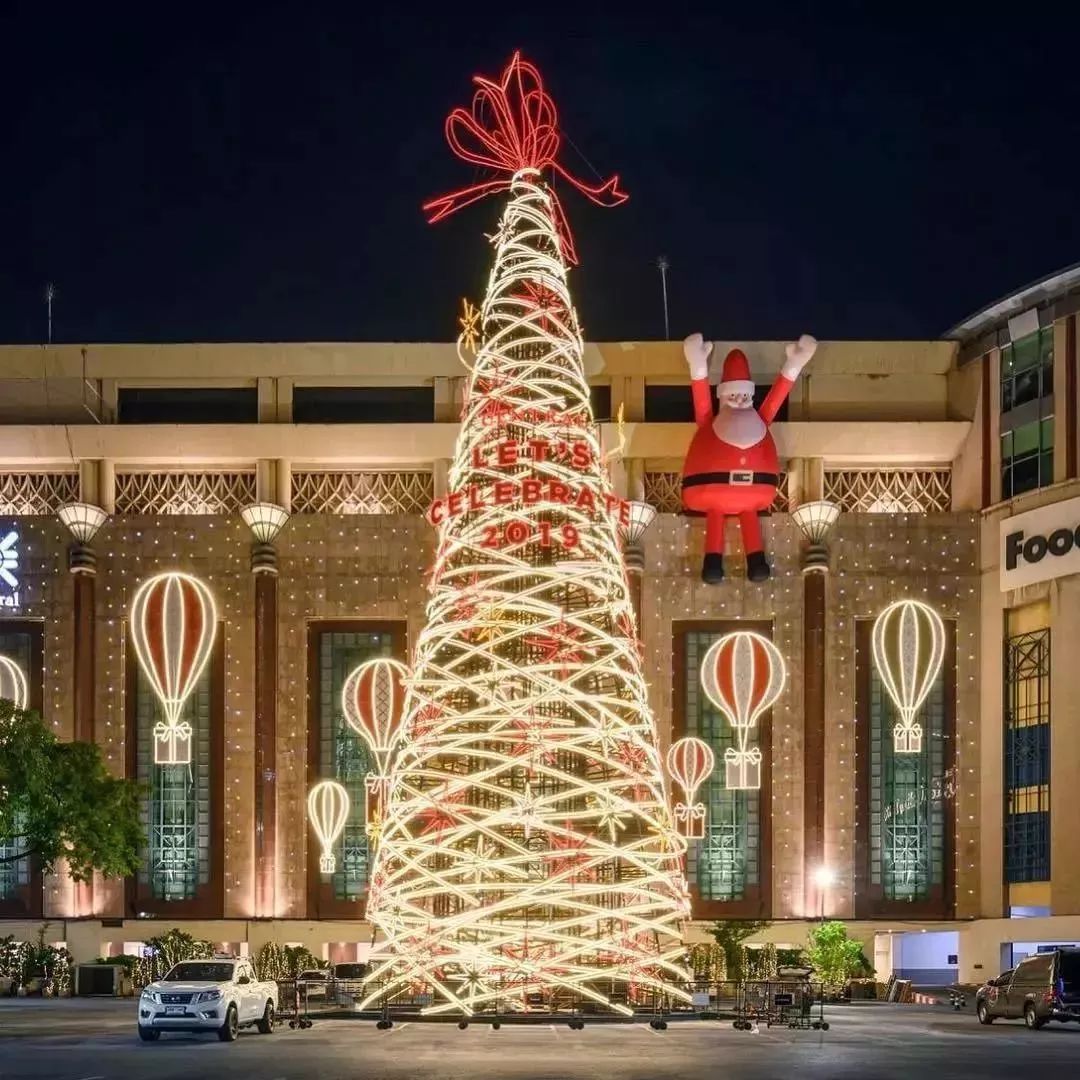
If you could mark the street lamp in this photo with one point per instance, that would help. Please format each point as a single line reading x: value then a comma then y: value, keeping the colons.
x: 265, y: 520
x: 641, y: 517
x: 815, y: 520
x: 82, y: 520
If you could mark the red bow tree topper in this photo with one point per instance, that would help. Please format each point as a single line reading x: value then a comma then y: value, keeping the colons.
x: 511, y: 128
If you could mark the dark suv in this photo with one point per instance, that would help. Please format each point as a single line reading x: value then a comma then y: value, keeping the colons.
x: 1041, y: 988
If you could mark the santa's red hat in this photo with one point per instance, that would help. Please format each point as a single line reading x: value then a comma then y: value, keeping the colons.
x: 735, y: 378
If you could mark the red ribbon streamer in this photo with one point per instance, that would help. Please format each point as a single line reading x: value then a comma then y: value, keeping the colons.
x: 512, y: 127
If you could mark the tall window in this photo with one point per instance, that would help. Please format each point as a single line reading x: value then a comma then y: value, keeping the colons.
x: 726, y: 864
x: 1027, y: 413
x: 15, y: 875
x: 1027, y: 756
x: 907, y: 799
x: 176, y: 814
x: 343, y: 755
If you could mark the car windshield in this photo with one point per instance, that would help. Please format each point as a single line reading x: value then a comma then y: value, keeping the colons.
x: 200, y: 971
x: 350, y: 971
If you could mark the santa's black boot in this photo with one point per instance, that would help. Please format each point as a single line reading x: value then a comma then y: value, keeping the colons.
x: 757, y: 566
x: 712, y: 569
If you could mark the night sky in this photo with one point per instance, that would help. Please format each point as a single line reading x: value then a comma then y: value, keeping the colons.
x: 186, y: 174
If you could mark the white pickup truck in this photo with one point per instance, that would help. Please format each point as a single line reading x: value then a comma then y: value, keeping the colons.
x: 220, y: 995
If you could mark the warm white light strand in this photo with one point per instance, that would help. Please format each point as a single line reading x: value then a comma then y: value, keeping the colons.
x: 528, y: 843
x: 909, y: 648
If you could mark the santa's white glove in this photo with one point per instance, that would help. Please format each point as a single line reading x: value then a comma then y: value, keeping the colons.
x: 798, y: 356
x: 697, y: 352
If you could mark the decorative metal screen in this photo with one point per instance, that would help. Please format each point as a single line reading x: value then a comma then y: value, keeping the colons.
x: 907, y: 793
x: 664, y: 491
x: 343, y: 756
x: 154, y: 494
x: 176, y: 812
x: 362, y: 492
x: 36, y: 494
x: 726, y: 862
x: 890, y: 491
x: 14, y: 875
x: 1027, y: 756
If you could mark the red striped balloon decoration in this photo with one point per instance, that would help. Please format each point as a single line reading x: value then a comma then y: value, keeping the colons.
x: 690, y: 761
x: 173, y: 626
x: 13, y: 686
x: 742, y: 675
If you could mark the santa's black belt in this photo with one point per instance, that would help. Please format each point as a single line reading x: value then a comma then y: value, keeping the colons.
x: 737, y: 478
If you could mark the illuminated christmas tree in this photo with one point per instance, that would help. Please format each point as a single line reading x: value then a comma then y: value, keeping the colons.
x: 527, y: 853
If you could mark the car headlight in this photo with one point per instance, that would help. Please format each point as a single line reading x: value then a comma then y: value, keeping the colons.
x: 152, y: 995
x: 209, y: 995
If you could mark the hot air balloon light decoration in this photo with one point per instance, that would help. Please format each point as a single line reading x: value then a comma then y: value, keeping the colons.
x: 328, y: 810
x: 909, y: 647
x: 373, y: 701
x: 173, y: 626
x: 690, y: 762
x: 742, y: 675
x: 13, y: 685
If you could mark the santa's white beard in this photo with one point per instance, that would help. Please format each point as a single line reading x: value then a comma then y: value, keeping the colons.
x: 739, y: 427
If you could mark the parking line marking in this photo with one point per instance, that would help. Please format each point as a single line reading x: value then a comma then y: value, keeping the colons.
x: 399, y: 1027
x: 554, y: 1031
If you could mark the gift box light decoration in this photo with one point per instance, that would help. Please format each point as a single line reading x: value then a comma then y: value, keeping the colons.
x: 742, y: 675
x: 328, y: 810
x: 690, y: 762
x: 173, y: 626
x: 373, y: 701
x: 13, y: 685
x: 909, y: 647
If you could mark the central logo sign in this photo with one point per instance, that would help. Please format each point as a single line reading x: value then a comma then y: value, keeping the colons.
x: 9, y: 570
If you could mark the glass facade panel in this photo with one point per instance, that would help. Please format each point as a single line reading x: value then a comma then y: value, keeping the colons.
x: 907, y: 808
x: 343, y: 755
x: 1027, y: 409
x: 727, y: 861
x: 176, y: 812
x: 1027, y: 756
x: 14, y: 875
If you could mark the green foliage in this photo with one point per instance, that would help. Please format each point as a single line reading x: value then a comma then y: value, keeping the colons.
x: 706, y: 962
x: 786, y: 958
x: 834, y: 956
x: 730, y: 935
x: 284, y: 962
x: 164, y: 951
x: 27, y: 962
x: 60, y: 802
x: 760, y: 963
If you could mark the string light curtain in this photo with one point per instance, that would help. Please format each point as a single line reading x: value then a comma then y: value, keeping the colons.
x: 528, y: 851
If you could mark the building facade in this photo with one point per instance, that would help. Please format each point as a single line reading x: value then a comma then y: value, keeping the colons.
x: 930, y: 450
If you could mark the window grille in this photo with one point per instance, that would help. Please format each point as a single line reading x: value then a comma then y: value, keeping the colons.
x: 176, y: 812
x: 362, y: 492
x: 726, y: 862
x: 14, y: 875
x: 343, y: 755
x: 157, y: 494
x: 890, y: 491
x: 907, y: 807
x: 36, y: 494
x: 1027, y: 756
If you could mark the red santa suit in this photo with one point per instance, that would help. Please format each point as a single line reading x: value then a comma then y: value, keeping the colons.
x: 732, y: 468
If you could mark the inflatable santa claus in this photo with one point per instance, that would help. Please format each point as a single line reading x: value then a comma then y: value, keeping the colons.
x: 731, y: 468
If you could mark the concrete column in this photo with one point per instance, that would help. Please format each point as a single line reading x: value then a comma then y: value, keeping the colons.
x: 814, y: 611
x: 441, y: 476
x: 283, y: 489
x: 265, y: 794
x: 994, y: 413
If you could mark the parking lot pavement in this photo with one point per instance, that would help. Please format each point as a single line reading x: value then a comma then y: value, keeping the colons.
x: 874, y: 1042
